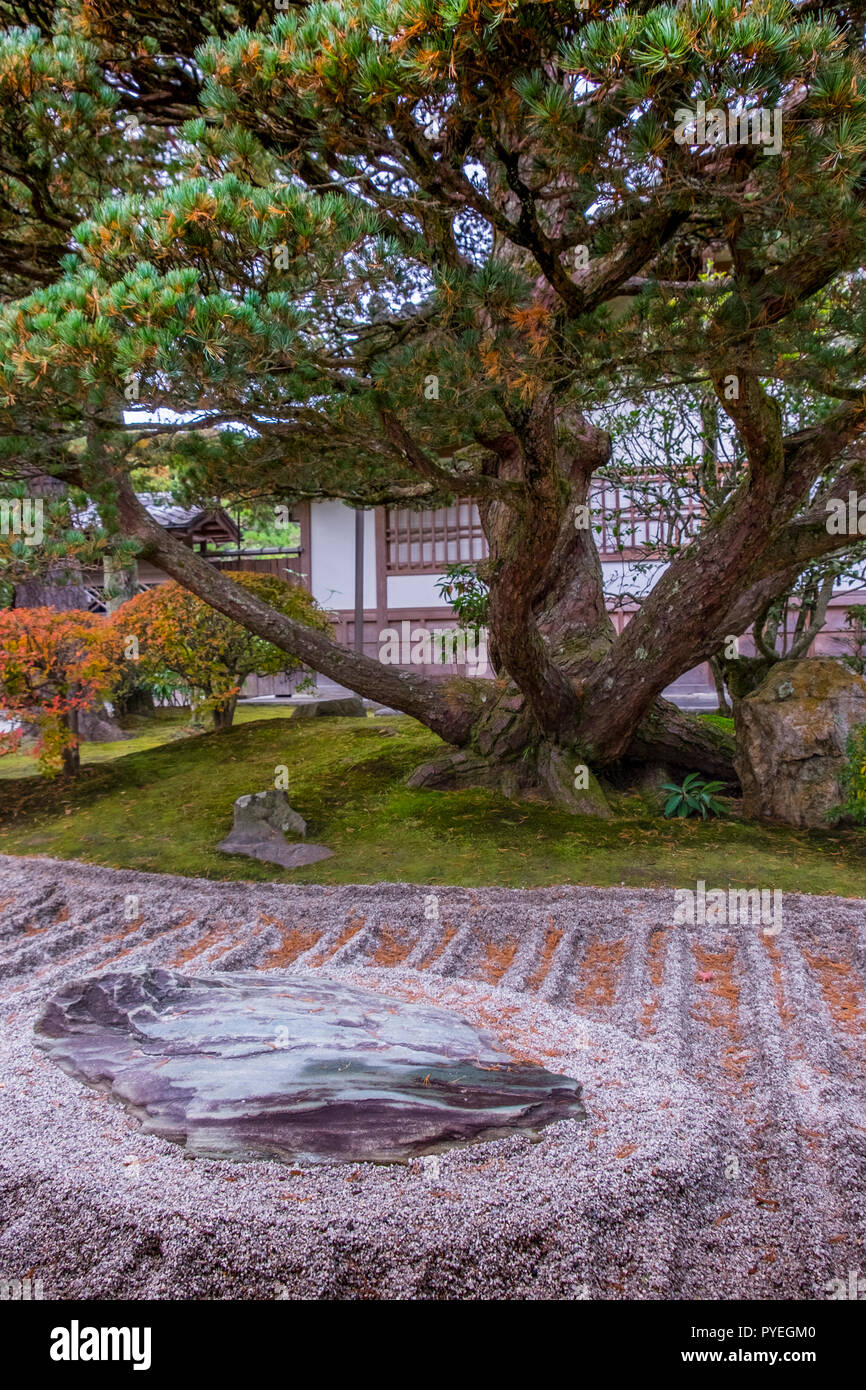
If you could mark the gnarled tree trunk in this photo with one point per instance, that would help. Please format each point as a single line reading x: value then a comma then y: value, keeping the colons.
x: 538, y: 729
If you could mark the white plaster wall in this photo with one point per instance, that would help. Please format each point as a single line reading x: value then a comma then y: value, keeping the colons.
x: 624, y: 577
x: 414, y: 591
x: 420, y: 591
x: 621, y: 577
x: 332, y: 555
x: 332, y: 566
x: 852, y: 585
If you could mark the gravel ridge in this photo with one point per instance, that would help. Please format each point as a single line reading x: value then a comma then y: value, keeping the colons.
x: 724, y: 1154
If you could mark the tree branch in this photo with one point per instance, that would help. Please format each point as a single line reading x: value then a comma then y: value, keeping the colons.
x: 447, y: 707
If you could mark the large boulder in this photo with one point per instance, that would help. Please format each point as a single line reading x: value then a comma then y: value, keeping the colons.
x: 93, y: 726
x: 297, y: 1068
x: 261, y: 822
x: 98, y: 726
x: 268, y: 808
x: 344, y: 706
x: 791, y: 737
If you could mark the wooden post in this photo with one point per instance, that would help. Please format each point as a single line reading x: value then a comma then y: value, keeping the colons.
x: 360, y: 518
x: 381, y: 570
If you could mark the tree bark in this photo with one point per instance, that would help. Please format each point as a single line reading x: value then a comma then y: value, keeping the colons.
x: 223, y: 715
x: 723, y: 705
x: 523, y: 536
x: 527, y: 731
x: 72, y: 752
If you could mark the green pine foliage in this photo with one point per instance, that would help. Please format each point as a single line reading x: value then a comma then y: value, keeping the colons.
x: 279, y: 227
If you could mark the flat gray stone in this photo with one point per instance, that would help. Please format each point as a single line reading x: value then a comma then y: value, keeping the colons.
x: 273, y: 849
x: 296, y: 1068
x: 347, y: 707
x: 261, y: 821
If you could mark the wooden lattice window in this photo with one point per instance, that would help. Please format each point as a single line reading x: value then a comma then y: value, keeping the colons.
x: 632, y: 526
x: 425, y: 542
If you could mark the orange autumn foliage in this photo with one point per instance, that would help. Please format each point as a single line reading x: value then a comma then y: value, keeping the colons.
x: 167, y: 629
x: 52, y: 666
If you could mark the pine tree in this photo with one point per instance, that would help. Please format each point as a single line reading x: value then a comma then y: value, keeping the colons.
x: 284, y: 225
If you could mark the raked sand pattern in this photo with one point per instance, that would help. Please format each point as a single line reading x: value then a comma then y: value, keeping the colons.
x: 724, y: 1153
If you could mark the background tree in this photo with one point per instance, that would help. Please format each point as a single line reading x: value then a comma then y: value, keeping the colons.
x: 677, y: 463
x: 411, y: 250
x: 855, y: 621
x: 53, y: 666
x: 167, y: 630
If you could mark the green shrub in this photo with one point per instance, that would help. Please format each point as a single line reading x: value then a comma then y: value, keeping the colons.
x: 467, y: 594
x: 853, y: 780
x: 694, y: 796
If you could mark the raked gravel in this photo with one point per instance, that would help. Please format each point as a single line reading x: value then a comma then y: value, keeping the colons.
x: 724, y: 1154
